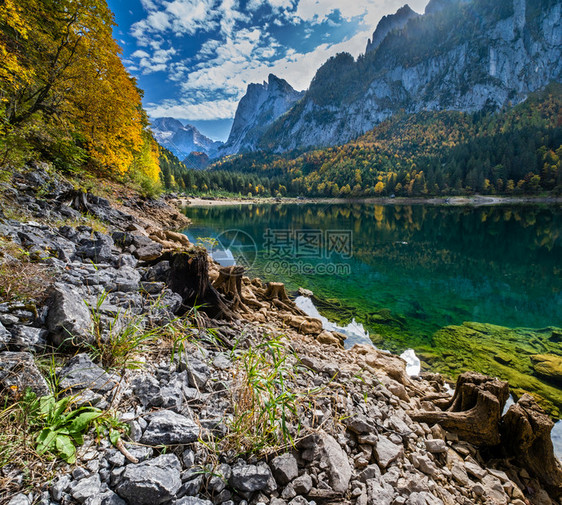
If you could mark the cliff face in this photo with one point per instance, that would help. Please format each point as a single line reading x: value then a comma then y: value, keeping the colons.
x: 182, y: 140
x: 261, y: 105
x: 460, y: 55
x: 390, y: 23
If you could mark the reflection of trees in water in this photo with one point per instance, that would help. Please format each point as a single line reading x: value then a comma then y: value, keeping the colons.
x: 471, y: 231
x: 501, y: 263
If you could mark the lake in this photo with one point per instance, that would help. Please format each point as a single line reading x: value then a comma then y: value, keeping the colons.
x: 466, y: 287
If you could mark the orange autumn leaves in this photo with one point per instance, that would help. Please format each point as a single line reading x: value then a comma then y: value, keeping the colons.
x: 61, y: 69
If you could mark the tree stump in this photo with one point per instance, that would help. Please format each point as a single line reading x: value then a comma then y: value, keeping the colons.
x: 189, y: 277
x: 229, y: 283
x: 475, y: 410
x: 277, y: 295
x: 525, y: 432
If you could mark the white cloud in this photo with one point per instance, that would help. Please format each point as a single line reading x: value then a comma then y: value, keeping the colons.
x: 186, y: 109
x: 150, y: 63
x: 213, y: 80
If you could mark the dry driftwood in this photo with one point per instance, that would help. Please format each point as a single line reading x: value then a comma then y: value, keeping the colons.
x: 475, y: 410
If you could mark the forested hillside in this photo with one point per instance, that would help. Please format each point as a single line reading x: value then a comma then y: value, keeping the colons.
x: 432, y: 153
x: 65, y: 96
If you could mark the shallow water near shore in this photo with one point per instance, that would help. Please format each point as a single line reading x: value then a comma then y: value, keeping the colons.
x: 413, y: 274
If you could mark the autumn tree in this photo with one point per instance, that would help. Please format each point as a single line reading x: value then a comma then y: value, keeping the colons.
x: 64, y: 88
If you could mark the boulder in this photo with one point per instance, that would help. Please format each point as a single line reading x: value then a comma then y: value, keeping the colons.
x: 18, y: 370
x: 284, y: 468
x: 27, y: 338
x: 80, y: 372
x: 168, y: 428
x: 146, y: 249
x: 387, y: 452
x: 5, y: 337
x: 69, y: 317
x: 324, y: 450
x: 151, y: 482
x: 98, y: 250
x: 250, y: 478
x: 86, y: 488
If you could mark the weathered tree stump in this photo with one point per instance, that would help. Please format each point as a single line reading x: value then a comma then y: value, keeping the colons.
x: 189, y: 277
x: 475, y: 410
x: 277, y: 295
x: 525, y: 432
x: 229, y: 283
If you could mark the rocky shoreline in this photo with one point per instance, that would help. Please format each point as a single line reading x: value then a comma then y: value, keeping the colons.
x: 230, y: 395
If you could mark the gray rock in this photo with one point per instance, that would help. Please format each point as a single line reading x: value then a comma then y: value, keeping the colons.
x: 59, y: 487
x: 284, y: 468
x: 249, y: 478
x: 494, y: 490
x: 168, y: 428
x: 146, y: 249
x: 19, y: 499
x: 98, y: 250
x: 380, y: 493
x: 219, y: 479
x: 192, y: 500
x: 459, y: 474
x: 86, y: 488
x: 128, y: 279
x: 106, y: 498
x: 325, y: 450
x: 192, y: 486
x: 436, y: 445
x: 387, y: 452
x: 423, y: 498
x: 371, y: 472
x: 5, y: 337
x: 475, y: 469
x: 18, y: 369
x: 69, y: 317
x: 152, y: 482
x: 27, y: 338
x: 303, y: 484
x: 80, y: 372
x: 299, y: 500
x: 147, y: 390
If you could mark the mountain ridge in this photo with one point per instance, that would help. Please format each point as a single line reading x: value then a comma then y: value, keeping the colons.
x: 182, y: 139
x: 259, y: 107
x: 465, y: 55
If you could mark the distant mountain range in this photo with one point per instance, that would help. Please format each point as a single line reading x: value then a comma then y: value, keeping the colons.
x: 461, y: 55
x: 182, y: 140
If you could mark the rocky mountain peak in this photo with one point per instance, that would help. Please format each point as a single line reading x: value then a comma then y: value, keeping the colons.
x: 478, y: 55
x: 395, y: 21
x: 182, y: 139
x: 259, y: 107
x: 438, y: 5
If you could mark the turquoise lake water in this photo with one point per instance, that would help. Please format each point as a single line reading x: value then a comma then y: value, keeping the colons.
x: 406, y: 272
x: 433, y: 265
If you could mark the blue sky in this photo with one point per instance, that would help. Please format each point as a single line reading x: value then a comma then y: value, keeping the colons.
x: 195, y: 58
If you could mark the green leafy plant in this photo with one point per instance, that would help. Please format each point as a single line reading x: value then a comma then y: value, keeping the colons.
x: 58, y: 427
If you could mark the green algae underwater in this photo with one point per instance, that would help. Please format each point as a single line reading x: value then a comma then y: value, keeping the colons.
x: 468, y: 288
